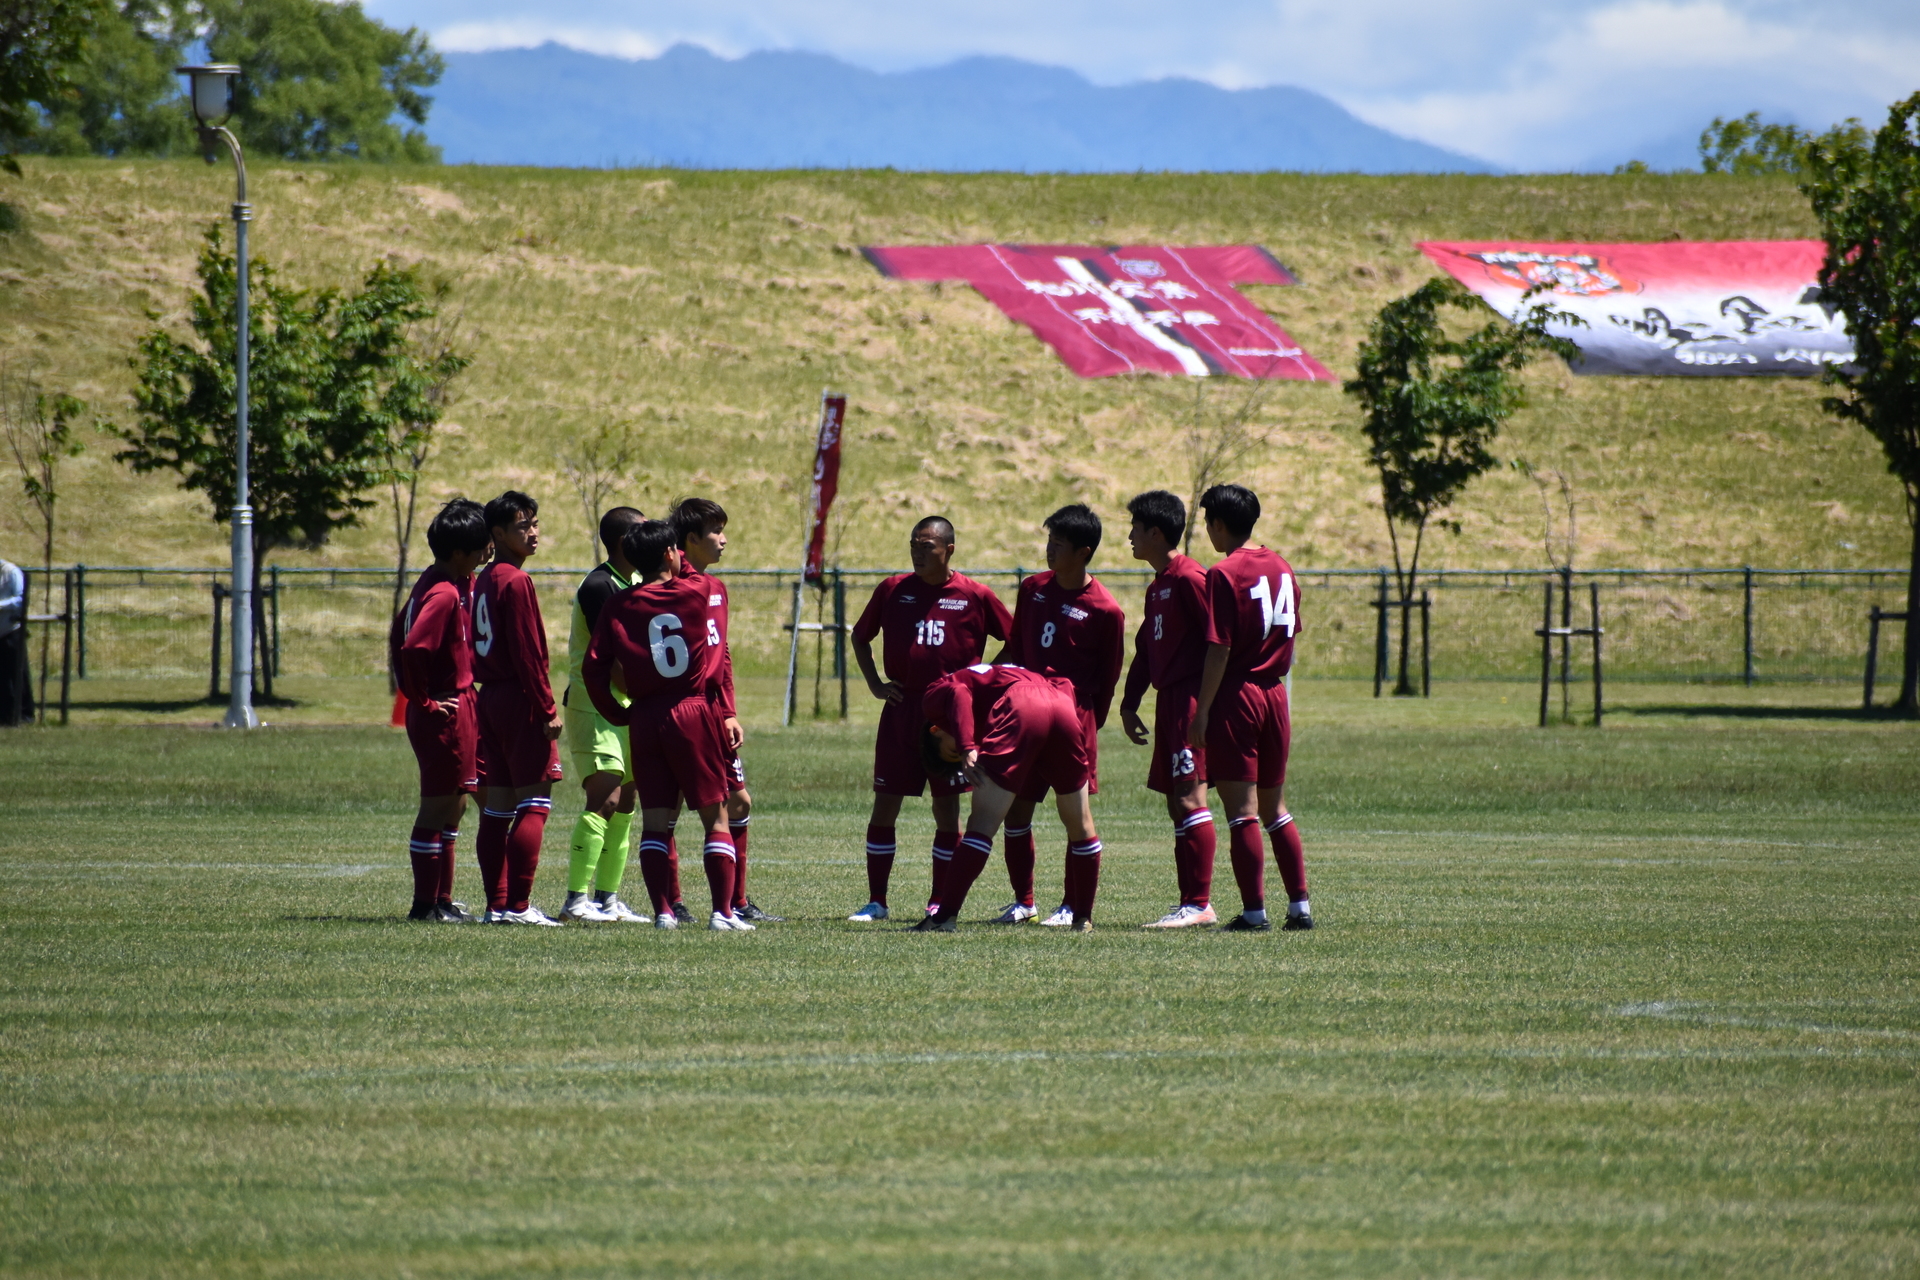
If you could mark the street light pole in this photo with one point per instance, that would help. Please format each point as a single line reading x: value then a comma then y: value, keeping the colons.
x: 212, y: 96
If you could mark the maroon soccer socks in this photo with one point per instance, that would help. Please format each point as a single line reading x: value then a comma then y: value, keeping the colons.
x: 963, y: 866
x: 1193, y: 851
x: 523, y: 849
x: 1249, y: 862
x: 490, y: 851
x: 1020, y: 863
x: 738, y: 830
x: 424, y: 852
x: 1083, y: 876
x: 1292, y: 858
x: 880, y: 849
x: 721, y: 867
x: 944, y: 844
x: 656, y: 872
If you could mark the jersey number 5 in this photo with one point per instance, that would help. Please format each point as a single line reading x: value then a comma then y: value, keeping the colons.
x: 482, y: 627
x: 670, y: 655
x: 1276, y: 607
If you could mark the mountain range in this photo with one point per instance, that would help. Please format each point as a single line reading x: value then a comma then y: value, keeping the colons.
x: 557, y: 106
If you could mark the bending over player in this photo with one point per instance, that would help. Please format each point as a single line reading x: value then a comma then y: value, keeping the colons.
x: 1068, y: 625
x: 1240, y: 714
x: 934, y: 621
x: 431, y: 652
x: 660, y: 638
x: 700, y: 525
x: 1016, y: 733
x: 1170, y: 652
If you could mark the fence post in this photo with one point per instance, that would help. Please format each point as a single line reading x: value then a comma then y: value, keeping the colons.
x: 66, y: 643
x: 1546, y: 654
x: 1380, y: 635
x: 1594, y: 587
x: 1566, y: 641
x: 1746, y: 577
x: 793, y: 656
x: 80, y: 604
x: 262, y: 643
x: 1873, y: 652
x: 840, y: 636
x: 1426, y: 659
x: 274, y: 660
x: 213, y: 680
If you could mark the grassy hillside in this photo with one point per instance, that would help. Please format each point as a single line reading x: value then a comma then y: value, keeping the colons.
x: 704, y: 312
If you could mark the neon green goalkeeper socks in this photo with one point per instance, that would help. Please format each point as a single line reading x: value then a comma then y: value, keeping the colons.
x: 613, y: 856
x: 583, y: 852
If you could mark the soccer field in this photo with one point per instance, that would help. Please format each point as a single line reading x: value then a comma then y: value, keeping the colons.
x: 1640, y: 1001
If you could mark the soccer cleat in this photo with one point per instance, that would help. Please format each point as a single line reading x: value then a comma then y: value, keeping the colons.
x: 932, y: 924
x: 582, y: 909
x: 754, y: 915
x: 1240, y: 924
x: 681, y: 913
x: 728, y: 924
x: 1015, y: 913
x: 421, y: 911
x: 494, y: 915
x: 1184, y: 917
x: 461, y: 907
x: 872, y: 911
x: 1295, y: 923
x: 666, y: 920
x: 1059, y: 919
x: 618, y: 911
x: 452, y: 913
x: 1080, y: 926
x: 532, y: 915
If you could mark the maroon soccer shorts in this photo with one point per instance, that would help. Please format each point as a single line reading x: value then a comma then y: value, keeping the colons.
x: 1248, y: 735
x: 730, y: 763
x: 447, y: 746
x: 678, y: 752
x: 515, y: 750
x: 1051, y: 752
x: 1175, y: 764
x: 898, y: 769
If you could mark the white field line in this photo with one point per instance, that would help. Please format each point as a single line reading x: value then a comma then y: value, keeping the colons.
x: 1540, y: 837
x: 278, y: 868
x: 1700, y: 1012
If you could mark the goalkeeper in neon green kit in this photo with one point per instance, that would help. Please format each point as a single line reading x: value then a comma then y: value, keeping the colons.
x: 597, y: 854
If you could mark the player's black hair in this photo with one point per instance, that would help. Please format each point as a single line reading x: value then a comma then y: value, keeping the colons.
x: 461, y: 525
x: 1158, y: 509
x: 1233, y: 506
x: 646, y: 545
x: 931, y: 756
x: 615, y: 523
x: 942, y: 521
x: 1077, y: 524
x: 508, y: 507
x: 693, y: 517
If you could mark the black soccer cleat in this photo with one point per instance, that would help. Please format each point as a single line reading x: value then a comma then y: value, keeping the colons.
x: 932, y: 924
x: 681, y: 913
x: 452, y: 913
x: 1296, y: 923
x: 755, y: 915
x: 422, y: 911
x: 1240, y: 924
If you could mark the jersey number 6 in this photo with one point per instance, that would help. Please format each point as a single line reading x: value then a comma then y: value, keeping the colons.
x: 670, y: 655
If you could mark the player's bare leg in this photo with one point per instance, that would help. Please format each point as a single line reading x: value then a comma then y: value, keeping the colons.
x: 1193, y: 853
x: 987, y: 810
x: 1020, y: 860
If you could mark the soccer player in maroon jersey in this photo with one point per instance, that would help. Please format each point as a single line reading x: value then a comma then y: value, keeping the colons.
x: 700, y: 524
x: 1240, y: 714
x: 1169, y: 652
x: 519, y: 723
x: 661, y: 636
x: 934, y: 621
x: 1065, y: 624
x: 430, y: 651
x: 1016, y: 734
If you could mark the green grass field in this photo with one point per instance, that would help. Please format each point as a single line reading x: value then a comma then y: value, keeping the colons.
x: 1637, y: 1001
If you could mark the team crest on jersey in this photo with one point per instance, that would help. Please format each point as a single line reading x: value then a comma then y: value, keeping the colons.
x: 1078, y: 615
x: 953, y: 604
x: 713, y: 601
x: 1166, y: 593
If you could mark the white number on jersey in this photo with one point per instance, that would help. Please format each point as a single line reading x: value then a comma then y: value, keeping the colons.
x: 1159, y: 626
x: 670, y: 656
x: 1046, y: 636
x: 713, y: 632
x: 482, y: 627
x: 930, y: 633
x: 1276, y: 607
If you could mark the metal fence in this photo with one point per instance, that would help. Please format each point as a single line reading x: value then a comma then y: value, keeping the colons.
x: 1662, y: 624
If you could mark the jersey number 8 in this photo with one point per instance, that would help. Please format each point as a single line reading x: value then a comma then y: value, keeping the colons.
x: 670, y: 656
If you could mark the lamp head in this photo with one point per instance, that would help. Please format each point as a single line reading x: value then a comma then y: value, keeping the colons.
x: 211, y: 90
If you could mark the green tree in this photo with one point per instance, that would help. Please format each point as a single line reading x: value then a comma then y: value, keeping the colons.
x: 1433, y: 407
x: 124, y: 97
x: 323, y: 81
x: 1749, y: 145
x: 39, y: 42
x: 334, y: 380
x: 1867, y: 197
x: 38, y: 427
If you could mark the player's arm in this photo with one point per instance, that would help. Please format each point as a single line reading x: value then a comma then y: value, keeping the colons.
x: 1138, y: 677
x: 529, y: 655
x: 1222, y: 610
x: 433, y: 631
x: 999, y: 621
x: 1211, y: 676
x: 863, y: 633
x: 597, y: 668
x: 1015, y: 649
x: 1113, y: 655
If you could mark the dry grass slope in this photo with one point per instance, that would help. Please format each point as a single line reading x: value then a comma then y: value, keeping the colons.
x: 704, y: 311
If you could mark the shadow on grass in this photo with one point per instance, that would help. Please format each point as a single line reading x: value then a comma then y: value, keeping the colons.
x: 401, y: 919
x: 1863, y: 714
x: 174, y: 706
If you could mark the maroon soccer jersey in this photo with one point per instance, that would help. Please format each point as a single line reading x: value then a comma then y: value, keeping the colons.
x: 1254, y: 611
x: 930, y: 631
x: 430, y: 646
x: 1171, y: 646
x: 509, y: 639
x: 973, y: 704
x: 721, y: 677
x: 1077, y: 635
x: 659, y: 635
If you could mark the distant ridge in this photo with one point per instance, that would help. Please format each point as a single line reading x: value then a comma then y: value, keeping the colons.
x: 558, y: 106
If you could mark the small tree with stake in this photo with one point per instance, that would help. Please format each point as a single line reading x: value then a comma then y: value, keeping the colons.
x: 1867, y: 198
x: 39, y: 431
x: 1433, y: 406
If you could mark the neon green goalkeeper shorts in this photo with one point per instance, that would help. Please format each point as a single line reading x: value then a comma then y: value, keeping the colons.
x: 596, y: 746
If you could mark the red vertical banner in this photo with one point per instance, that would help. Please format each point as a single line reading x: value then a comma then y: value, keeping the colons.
x: 826, y: 482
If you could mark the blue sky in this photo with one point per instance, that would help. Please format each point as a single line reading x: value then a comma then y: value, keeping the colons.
x: 1526, y: 84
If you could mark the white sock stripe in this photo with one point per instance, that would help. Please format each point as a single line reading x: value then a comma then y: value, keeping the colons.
x: 979, y: 844
x: 878, y: 849
x: 720, y: 847
x: 1084, y: 848
x: 1240, y: 822
x: 1198, y: 818
x: 944, y: 855
x: 533, y: 802
x: 656, y: 846
x: 450, y: 835
x: 1020, y: 831
x: 737, y: 823
x: 424, y: 846
x: 497, y: 813
x: 1280, y: 821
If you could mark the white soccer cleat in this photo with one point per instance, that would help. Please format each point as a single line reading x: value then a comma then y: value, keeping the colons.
x: 869, y: 913
x: 1059, y: 919
x: 1184, y: 917
x: 1015, y: 913
x: 583, y: 909
x: 532, y: 915
x: 728, y: 924
x: 666, y: 920
x: 618, y: 911
x: 492, y: 916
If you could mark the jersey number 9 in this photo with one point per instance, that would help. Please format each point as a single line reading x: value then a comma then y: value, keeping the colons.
x: 482, y: 627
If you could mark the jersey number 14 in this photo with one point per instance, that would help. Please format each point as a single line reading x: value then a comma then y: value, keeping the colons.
x: 1276, y: 604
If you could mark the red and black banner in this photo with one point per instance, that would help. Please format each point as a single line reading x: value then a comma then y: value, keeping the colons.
x: 1135, y: 309
x: 826, y: 482
x: 1728, y: 308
